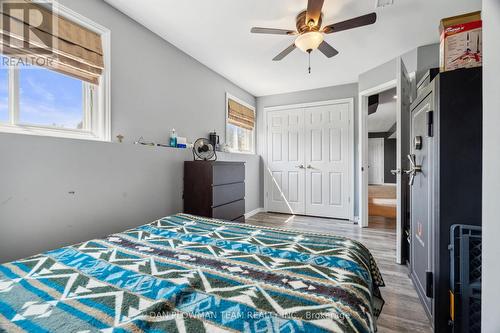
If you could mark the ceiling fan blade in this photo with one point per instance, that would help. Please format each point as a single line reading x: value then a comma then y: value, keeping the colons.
x: 286, y: 52
x: 351, y: 24
x: 314, y: 11
x: 328, y: 50
x: 257, y: 30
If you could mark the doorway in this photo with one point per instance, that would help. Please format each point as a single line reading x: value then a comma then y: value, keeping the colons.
x: 382, y: 146
x: 309, y: 159
x: 403, y: 83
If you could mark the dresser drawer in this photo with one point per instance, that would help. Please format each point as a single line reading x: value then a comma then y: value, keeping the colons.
x: 230, y: 211
x: 224, y: 194
x: 214, y: 189
x: 227, y: 173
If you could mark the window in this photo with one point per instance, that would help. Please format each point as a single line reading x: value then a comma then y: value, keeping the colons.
x: 48, y: 98
x: 61, y: 90
x: 4, y: 95
x: 240, y: 126
x: 38, y: 97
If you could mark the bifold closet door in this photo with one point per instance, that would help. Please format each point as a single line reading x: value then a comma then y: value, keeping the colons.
x: 286, y: 168
x: 327, y: 160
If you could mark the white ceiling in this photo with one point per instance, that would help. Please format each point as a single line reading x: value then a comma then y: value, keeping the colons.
x: 385, y: 117
x: 217, y: 33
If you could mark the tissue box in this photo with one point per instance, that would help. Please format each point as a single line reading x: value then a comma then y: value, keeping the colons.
x: 461, y: 42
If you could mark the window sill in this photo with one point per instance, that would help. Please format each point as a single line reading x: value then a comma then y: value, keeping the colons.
x: 51, y: 132
x: 238, y: 153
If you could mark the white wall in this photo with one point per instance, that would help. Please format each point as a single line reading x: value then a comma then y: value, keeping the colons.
x: 155, y: 87
x: 491, y: 163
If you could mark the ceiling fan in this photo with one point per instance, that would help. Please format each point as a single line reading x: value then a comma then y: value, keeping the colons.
x: 310, y: 32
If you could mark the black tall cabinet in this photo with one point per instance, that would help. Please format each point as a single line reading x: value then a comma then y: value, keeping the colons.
x: 455, y: 123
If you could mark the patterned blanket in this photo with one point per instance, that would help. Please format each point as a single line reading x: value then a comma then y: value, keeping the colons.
x: 190, y: 274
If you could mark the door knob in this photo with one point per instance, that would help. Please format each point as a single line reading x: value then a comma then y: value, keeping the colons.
x: 414, y: 168
x: 310, y: 166
x: 300, y: 166
x: 396, y: 172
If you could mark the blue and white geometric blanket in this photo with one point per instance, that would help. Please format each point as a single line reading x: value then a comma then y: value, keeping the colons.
x: 190, y: 274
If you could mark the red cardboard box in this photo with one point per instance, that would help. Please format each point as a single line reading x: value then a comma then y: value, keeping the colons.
x: 461, y: 42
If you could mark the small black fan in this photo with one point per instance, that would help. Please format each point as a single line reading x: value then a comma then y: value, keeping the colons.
x: 204, y: 150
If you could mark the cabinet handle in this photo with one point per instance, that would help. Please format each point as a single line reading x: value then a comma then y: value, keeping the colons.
x: 414, y: 169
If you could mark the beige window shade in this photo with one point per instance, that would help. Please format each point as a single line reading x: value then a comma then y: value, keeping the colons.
x: 65, y: 46
x: 241, y: 116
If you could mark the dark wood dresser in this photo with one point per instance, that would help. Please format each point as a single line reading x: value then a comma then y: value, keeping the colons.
x: 215, y: 189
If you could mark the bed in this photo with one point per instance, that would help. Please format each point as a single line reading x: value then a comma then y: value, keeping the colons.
x: 189, y: 274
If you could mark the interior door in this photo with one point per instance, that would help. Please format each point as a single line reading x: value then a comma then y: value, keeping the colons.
x: 421, y: 198
x: 327, y: 160
x: 376, y: 161
x: 404, y: 90
x: 286, y: 166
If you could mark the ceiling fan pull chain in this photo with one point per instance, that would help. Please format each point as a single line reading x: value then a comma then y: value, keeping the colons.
x: 309, y: 61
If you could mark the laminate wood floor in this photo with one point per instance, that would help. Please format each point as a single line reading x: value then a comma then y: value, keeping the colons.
x: 403, y: 311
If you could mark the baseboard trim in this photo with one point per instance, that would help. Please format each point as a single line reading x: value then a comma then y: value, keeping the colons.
x: 254, y: 212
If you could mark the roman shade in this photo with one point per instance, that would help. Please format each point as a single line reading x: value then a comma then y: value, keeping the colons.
x: 37, y: 36
x: 240, y: 115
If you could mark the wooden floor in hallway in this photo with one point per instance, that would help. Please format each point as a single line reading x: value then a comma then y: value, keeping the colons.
x: 402, y: 311
x: 380, y: 222
x: 382, y: 200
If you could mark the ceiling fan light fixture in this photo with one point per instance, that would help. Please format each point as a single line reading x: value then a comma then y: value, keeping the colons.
x: 309, y: 41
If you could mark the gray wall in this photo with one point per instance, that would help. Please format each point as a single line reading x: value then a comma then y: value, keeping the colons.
x: 378, y: 75
x: 427, y: 58
x: 418, y: 60
x: 307, y: 96
x: 491, y: 162
x: 155, y: 87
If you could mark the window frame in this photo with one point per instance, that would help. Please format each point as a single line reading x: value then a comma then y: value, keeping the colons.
x: 253, y: 145
x: 96, y: 99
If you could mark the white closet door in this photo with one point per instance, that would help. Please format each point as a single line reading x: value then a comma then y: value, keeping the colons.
x: 376, y: 161
x: 327, y: 160
x: 286, y: 172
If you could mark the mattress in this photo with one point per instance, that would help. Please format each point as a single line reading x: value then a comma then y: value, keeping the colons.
x: 189, y: 274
